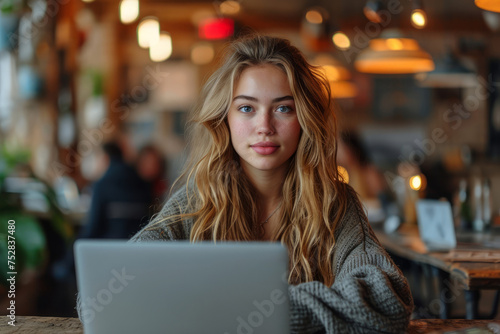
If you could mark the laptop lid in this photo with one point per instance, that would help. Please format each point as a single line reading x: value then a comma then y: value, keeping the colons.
x: 435, y: 224
x: 178, y: 287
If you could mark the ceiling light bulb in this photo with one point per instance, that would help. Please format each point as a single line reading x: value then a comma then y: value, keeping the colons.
x: 418, y: 18
x: 372, y: 10
x: 341, y: 40
x: 162, y: 49
x: 313, y: 16
x: 129, y: 11
x: 230, y: 7
x: 148, y: 32
x: 415, y: 182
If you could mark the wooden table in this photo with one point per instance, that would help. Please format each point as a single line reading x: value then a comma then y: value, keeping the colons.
x: 471, y: 276
x: 407, y: 244
x: 46, y: 325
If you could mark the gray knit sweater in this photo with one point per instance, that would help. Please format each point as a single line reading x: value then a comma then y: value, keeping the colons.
x: 369, y: 295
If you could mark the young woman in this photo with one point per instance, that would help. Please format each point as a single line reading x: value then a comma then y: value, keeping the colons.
x: 263, y: 166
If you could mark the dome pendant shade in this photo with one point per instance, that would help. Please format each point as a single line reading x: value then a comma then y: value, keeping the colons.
x: 491, y: 5
x: 394, y: 56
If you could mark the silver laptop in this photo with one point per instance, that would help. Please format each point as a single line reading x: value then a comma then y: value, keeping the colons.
x: 435, y: 225
x: 178, y: 287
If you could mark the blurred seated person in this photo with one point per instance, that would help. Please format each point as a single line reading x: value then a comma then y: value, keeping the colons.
x: 151, y: 165
x: 120, y: 199
x: 363, y: 175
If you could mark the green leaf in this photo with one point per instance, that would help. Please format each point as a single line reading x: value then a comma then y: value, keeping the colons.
x: 30, y: 243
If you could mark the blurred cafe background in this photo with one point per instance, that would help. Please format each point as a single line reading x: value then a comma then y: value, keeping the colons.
x: 94, y: 97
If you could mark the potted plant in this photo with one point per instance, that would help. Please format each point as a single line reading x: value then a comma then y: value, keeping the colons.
x: 31, y: 255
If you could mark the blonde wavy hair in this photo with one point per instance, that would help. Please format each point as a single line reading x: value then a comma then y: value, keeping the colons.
x: 314, y: 199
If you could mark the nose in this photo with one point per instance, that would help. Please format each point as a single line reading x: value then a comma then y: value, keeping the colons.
x: 265, y: 124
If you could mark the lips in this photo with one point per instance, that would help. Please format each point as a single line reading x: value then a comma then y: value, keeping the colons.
x: 265, y: 148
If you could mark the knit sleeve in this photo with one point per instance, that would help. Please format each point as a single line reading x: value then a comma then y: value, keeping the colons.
x: 161, y: 227
x: 369, y: 294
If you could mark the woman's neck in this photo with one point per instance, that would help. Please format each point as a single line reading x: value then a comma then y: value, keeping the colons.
x: 268, y: 186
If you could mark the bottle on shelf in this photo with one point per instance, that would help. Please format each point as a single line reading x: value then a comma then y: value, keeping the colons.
x: 478, y: 223
x: 464, y: 209
x: 486, y: 203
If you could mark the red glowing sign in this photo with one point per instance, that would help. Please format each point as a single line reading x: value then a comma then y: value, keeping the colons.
x: 216, y: 28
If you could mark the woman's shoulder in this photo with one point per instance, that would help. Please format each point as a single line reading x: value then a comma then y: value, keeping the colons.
x: 169, y: 224
x: 180, y: 201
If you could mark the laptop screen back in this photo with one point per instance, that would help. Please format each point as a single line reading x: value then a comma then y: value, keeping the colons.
x: 435, y: 224
x: 178, y: 287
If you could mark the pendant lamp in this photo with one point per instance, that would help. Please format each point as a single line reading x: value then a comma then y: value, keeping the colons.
x: 491, y: 5
x: 338, y: 76
x: 393, y: 54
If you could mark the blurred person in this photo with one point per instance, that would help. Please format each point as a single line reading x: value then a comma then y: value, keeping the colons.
x: 263, y: 167
x: 151, y: 165
x: 364, y: 176
x: 120, y: 199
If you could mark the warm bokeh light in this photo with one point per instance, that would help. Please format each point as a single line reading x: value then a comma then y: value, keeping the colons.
x: 394, y: 55
x: 394, y: 44
x: 162, y: 49
x: 148, y: 32
x: 372, y: 15
x: 491, y: 5
x: 415, y: 182
x: 202, y: 53
x: 418, y: 18
x: 336, y: 73
x: 230, y: 7
x: 88, y: 1
x: 385, y: 44
x: 343, y: 175
x: 341, y: 41
x: 418, y: 182
x: 129, y: 11
x: 332, y: 73
x: 338, y: 76
x: 343, y: 89
x: 372, y: 10
x: 314, y: 16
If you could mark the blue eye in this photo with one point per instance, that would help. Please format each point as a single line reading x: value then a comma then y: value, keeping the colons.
x: 284, y: 109
x: 245, y: 109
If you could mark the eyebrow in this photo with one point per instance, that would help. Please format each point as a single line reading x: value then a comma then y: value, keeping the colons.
x: 254, y: 99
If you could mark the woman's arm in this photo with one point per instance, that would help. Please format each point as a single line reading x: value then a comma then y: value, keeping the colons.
x: 370, y: 294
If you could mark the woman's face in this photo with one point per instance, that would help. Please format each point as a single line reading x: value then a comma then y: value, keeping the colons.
x: 262, y: 119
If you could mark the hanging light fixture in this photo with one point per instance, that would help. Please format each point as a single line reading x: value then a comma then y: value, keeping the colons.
x: 230, y: 7
x: 338, y: 76
x: 129, y: 11
x: 314, y: 16
x: 162, y: 49
x: 148, y: 32
x: 393, y: 54
x: 314, y: 24
x: 418, y: 15
x: 491, y: 5
x: 372, y: 10
x: 341, y: 41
